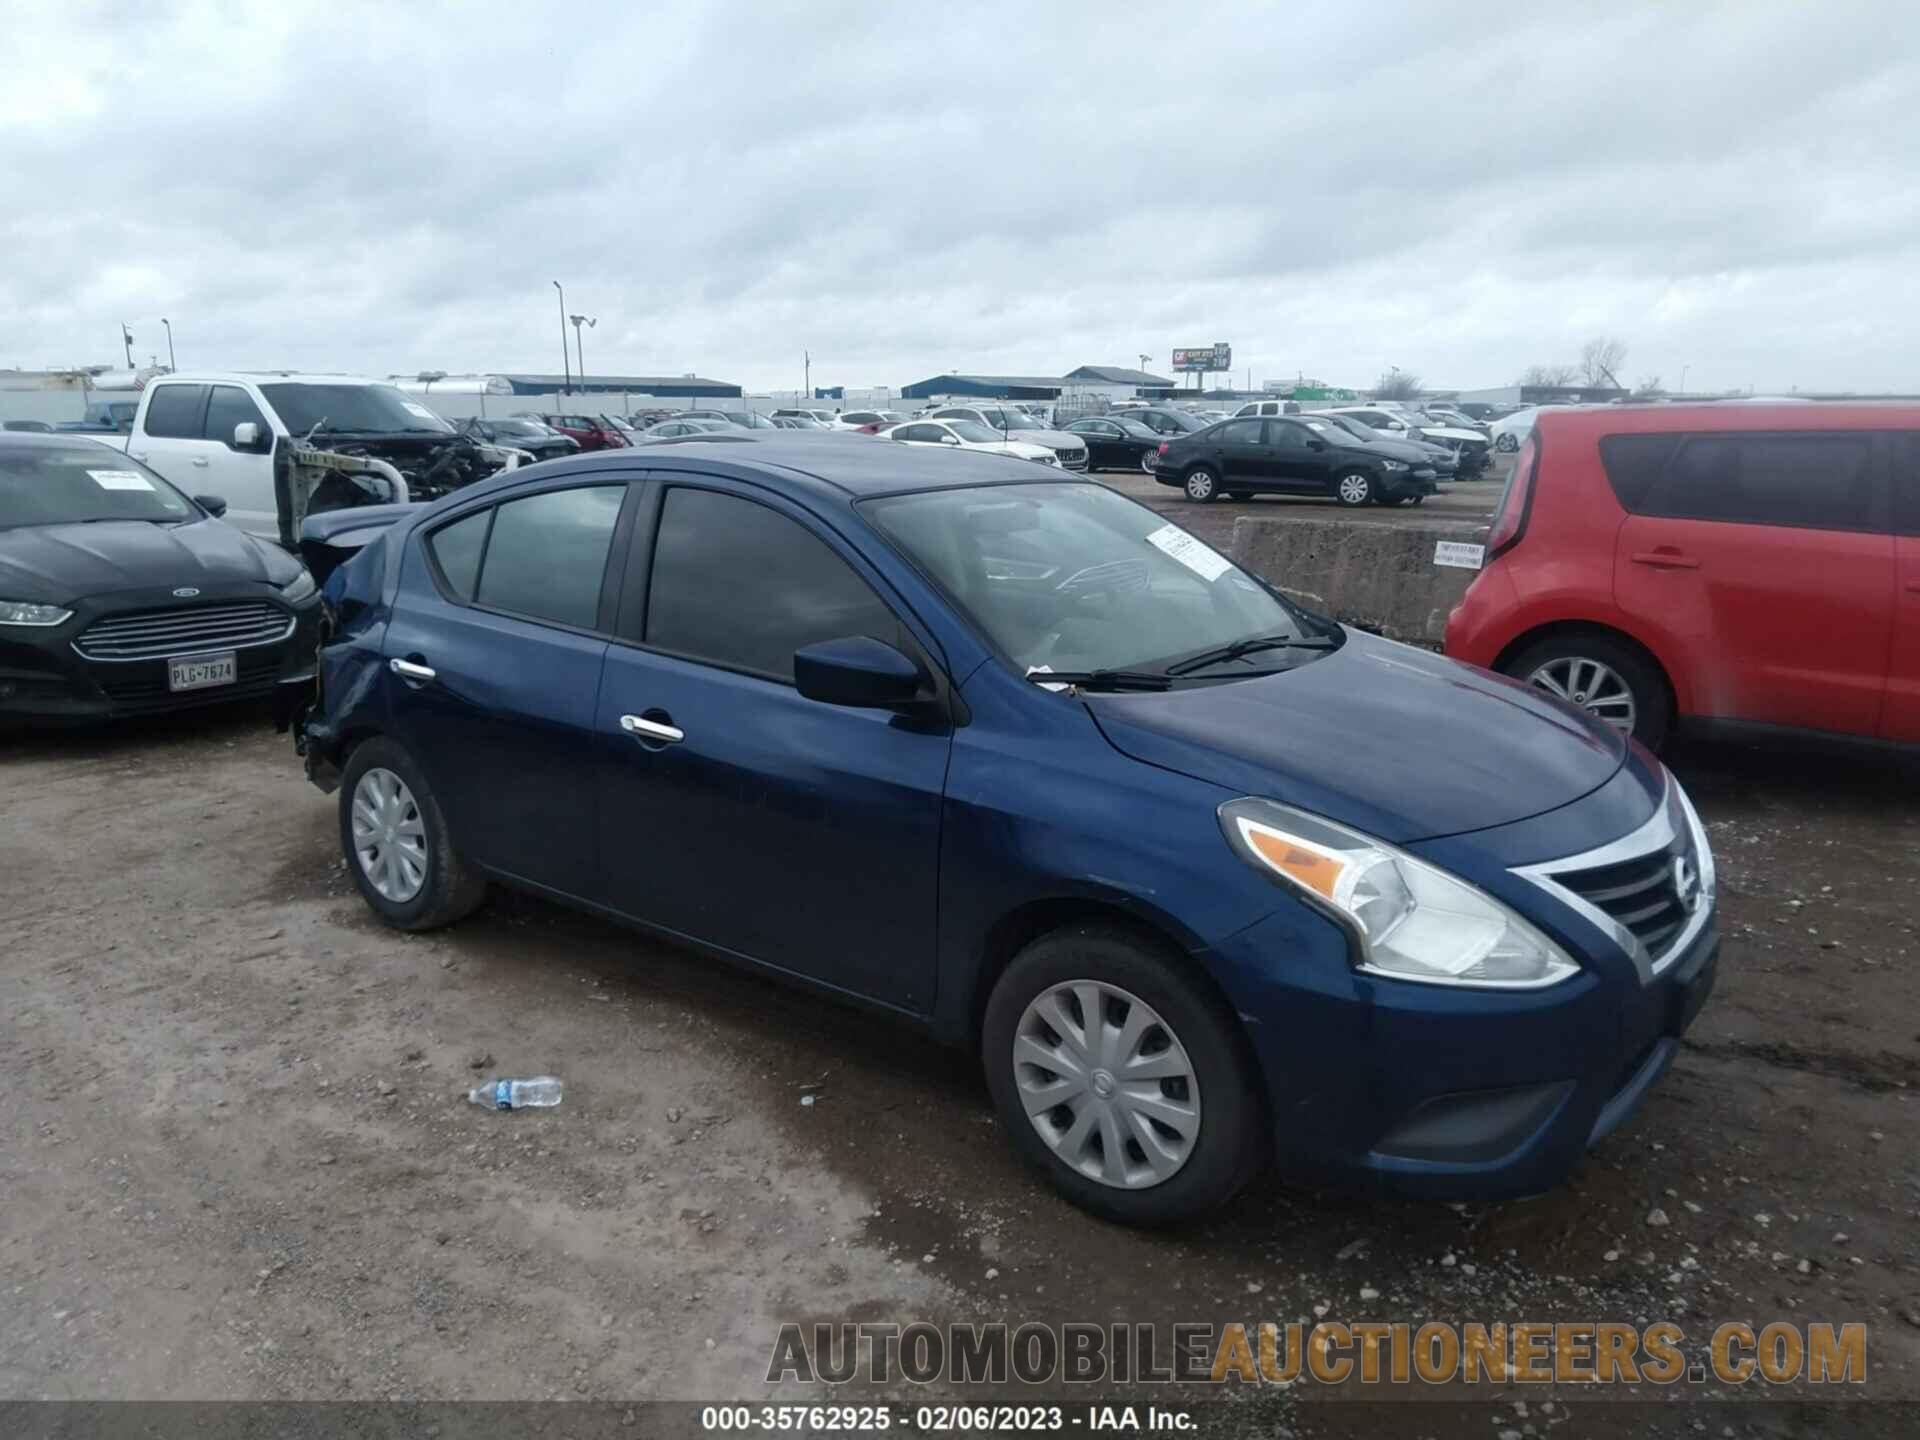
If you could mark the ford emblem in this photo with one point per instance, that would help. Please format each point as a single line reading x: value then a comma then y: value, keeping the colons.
x: 186, y: 592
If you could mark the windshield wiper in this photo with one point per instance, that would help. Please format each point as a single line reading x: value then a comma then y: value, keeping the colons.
x: 1102, y: 679
x: 1250, y: 646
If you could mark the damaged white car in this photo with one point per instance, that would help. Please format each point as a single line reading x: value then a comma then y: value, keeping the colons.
x: 275, y: 449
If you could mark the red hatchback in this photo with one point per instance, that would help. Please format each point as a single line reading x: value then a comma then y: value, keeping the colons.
x: 1732, y: 567
x: 590, y: 431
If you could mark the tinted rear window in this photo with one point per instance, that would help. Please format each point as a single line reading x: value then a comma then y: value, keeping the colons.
x: 1634, y: 462
x: 1906, y: 482
x: 548, y: 554
x: 456, y: 549
x: 1817, y: 482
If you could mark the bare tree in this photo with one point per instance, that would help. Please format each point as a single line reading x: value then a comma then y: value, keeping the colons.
x: 1601, y: 359
x: 1548, y: 375
x: 1396, y: 384
x: 1649, y: 388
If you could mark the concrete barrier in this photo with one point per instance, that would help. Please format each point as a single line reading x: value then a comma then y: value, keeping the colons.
x: 1378, y: 575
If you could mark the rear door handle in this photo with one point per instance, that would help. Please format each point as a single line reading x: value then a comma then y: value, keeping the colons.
x: 407, y: 670
x: 200, y: 460
x: 652, y: 729
x: 1666, y: 560
x: 139, y: 455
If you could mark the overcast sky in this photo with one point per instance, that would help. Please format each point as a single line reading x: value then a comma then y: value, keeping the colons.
x: 905, y: 190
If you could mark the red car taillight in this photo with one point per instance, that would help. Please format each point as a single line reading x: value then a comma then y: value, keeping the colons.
x: 1163, y: 447
x: 1510, y: 521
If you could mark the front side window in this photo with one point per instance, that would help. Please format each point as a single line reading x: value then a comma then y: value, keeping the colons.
x: 547, y: 554
x: 917, y: 434
x: 1239, y: 432
x: 1077, y: 577
x: 1283, y: 435
x: 173, y: 412
x: 740, y: 585
x: 227, y: 407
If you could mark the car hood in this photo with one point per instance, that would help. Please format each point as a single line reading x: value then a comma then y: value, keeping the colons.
x: 1397, y: 742
x: 1051, y: 439
x: 55, y: 564
x: 1412, y: 451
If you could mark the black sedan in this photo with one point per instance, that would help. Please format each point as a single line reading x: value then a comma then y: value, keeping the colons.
x: 1251, y: 456
x: 1165, y: 423
x: 540, y: 441
x: 120, y: 596
x: 1117, y: 442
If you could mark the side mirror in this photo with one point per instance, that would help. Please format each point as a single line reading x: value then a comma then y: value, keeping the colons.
x: 857, y: 671
x: 1316, y: 444
x: 949, y: 439
x: 212, y: 504
x: 251, y: 435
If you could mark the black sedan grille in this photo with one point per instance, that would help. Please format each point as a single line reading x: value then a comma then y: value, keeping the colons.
x: 139, y: 688
x: 186, y: 630
x: 1641, y: 895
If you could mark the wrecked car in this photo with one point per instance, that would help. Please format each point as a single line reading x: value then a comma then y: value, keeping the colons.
x: 279, y: 448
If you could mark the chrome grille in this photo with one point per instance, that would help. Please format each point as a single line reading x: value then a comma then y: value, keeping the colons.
x: 1073, y: 459
x: 184, y: 630
x: 1641, y: 895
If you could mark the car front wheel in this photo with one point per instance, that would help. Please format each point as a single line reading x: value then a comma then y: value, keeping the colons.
x: 1121, y: 1077
x: 1202, y: 485
x: 1355, y: 488
x: 397, y: 844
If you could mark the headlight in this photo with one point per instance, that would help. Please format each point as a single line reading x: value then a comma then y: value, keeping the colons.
x: 21, y: 612
x: 298, y: 588
x: 1411, y: 920
x: 1048, y: 459
x: 1393, y: 465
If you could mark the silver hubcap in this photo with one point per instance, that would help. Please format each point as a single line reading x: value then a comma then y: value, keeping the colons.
x: 389, y: 837
x: 1589, y: 684
x: 1200, y: 486
x: 1353, y: 489
x: 1107, y: 1084
x: 1147, y: 458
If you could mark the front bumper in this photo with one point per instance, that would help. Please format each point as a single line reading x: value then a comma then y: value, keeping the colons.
x: 44, y: 681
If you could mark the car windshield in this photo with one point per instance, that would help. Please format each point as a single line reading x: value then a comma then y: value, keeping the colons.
x: 363, y: 409
x: 1076, y: 577
x: 973, y: 431
x: 522, y: 428
x: 71, y: 484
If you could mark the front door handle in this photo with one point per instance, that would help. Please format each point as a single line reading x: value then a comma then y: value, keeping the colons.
x: 139, y: 455
x: 652, y: 729
x: 200, y: 460
x: 1665, y: 560
x: 407, y: 670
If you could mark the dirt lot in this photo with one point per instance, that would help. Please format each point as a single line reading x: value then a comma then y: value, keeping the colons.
x: 237, y: 1162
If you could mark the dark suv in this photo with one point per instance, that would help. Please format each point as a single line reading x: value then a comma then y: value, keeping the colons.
x: 1248, y: 456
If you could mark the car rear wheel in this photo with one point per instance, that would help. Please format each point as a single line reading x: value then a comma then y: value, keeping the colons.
x: 1610, y: 678
x: 397, y: 844
x: 1122, y: 1078
x: 1147, y: 459
x: 1354, y: 489
x: 1202, y: 485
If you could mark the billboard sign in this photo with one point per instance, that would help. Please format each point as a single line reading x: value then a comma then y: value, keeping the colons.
x: 1217, y: 356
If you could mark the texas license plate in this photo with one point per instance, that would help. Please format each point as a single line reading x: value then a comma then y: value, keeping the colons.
x: 200, y: 672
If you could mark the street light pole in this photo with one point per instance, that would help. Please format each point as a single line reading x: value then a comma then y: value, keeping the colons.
x: 567, y: 387
x: 1683, y: 378
x: 580, y: 355
x: 170, y: 361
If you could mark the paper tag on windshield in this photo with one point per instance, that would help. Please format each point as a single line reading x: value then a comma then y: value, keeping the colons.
x: 420, y: 410
x: 120, y: 480
x: 1208, y: 564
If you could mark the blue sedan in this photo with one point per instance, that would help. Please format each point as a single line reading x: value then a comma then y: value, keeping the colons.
x: 1205, y: 879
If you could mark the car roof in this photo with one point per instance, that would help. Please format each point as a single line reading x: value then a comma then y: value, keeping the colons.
x: 1589, y: 422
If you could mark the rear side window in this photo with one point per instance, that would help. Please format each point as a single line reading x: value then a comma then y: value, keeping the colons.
x: 456, y: 550
x: 1906, y: 482
x: 173, y: 412
x: 1633, y: 463
x: 1812, y: 482
x: 1239, y: 432
x: 740, y: 585
x: 547, y: 554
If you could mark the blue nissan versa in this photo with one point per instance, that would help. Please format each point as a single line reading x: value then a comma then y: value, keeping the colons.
x: 1205, y: 878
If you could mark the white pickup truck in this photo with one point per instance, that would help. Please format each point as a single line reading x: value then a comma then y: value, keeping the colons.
x: 275, y: 447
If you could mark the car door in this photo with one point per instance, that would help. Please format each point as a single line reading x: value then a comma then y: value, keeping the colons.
x: 1764, y: 567
x: 171, y: 435
x: 1239, y: 449
x: 240, y: 475
x: 494, y: 659
x: 1104, y: 444
x: 734, y: 810
x: 1297, y: 458
x: 1901, y: 716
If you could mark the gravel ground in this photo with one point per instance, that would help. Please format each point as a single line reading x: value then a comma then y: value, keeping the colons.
x: 237, y: 1162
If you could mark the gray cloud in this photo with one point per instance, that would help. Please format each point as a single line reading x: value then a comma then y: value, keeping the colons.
x: 1449, y: 189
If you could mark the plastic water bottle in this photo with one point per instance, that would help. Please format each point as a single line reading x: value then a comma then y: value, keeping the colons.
x: 517, y: 1094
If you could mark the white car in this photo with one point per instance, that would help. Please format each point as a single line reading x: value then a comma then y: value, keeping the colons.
x: 1014, y: 423
x: 821, y: 417
x: 967, y: 435
x: 860, y: 419
x: 1397, y: 422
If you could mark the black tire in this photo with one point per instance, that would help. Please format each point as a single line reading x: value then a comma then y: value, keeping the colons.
x: 1232, y: 1142
x: 452, y: 889
x: 1354, y: 488
x: 1202, y: 485
x: 1652, y: 696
